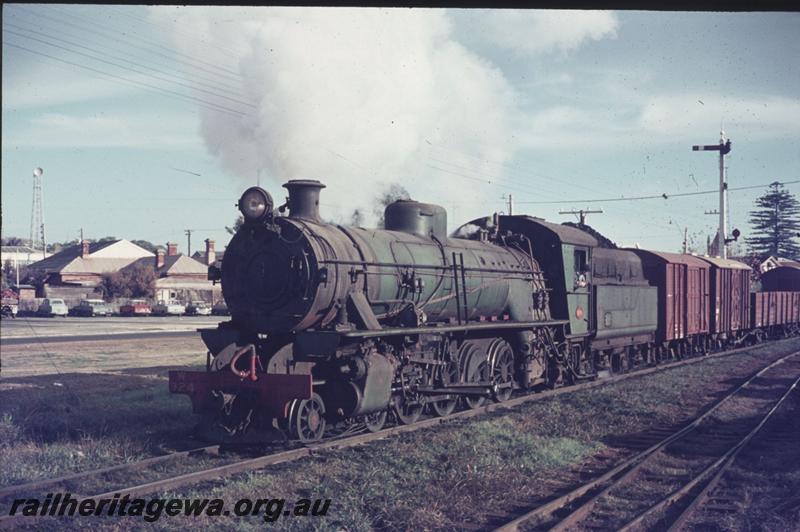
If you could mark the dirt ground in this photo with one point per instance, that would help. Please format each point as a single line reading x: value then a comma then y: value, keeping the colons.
x: 97, y: 356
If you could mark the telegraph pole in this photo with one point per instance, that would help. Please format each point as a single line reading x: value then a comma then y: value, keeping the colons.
x: 510, y: 200
x: 189, y: 241
x: 582, y: 214
x: 37, y: 213
x: 723, y: 148
x: 685, y: 240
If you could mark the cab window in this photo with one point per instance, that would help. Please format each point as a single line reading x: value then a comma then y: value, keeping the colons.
x: 581, y: 268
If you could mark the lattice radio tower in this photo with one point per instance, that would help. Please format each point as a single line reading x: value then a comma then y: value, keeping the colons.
x: 37, y: 214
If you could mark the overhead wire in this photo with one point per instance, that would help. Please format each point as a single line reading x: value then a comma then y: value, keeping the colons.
x: 203, y: 103
x: 492, y: 178
x: 122, y: 10
x: 696, y: 216
x: 85, y: 29
x: 527, y: 187
x: 150, y: 67
x: 664, y: 195
x: 95, y: 58
x: 230, y: 72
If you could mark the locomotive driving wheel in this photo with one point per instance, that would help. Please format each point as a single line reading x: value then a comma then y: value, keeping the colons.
x: 407, y: 412
x: 503, y: 373
x: 448, y: 375
x: 480, y: 373
x: 307, y: 419
x: 375, y: 421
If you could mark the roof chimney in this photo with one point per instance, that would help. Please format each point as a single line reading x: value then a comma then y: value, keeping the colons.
x: 159, y: 258
x: 304, y: 198
x: 172, y: 249
x: 211, y: 255
x: 84, y: 249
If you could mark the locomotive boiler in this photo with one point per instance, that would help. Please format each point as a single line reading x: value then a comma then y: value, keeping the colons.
x: 331, y: 323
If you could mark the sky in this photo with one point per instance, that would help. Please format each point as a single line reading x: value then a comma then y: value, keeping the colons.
x: 149, y: 121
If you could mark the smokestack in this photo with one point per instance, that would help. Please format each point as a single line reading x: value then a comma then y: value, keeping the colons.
x: 304, y: 198
x: 211, y: 255
x: 172, y: 249
x: 159, y: 258
x: 84, y: 249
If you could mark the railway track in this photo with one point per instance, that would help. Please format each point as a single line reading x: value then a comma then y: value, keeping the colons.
x: 73, y: 481
x: 725, y: 496
x: 665, y: 483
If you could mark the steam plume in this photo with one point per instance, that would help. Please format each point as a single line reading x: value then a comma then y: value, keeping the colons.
x: 353, y: 97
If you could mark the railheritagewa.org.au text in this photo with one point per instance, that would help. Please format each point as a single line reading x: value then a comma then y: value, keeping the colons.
x: 65, y: 504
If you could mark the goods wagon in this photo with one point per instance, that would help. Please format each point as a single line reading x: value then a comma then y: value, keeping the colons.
x: 775, y: 309
x: 684, y: 310
x: 730, y: 297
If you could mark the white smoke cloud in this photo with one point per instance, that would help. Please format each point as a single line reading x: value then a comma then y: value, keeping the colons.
x: 358, y: 98
x: 353, y: 97
x: 544, y: 31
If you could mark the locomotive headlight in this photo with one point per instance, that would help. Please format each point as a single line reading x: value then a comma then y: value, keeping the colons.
x: 255, y: 204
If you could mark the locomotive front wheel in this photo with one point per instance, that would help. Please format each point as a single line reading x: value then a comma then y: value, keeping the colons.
x: 376, y: 420
x: 307, y: 419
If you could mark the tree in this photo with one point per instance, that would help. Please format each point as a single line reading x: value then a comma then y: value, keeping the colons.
x: 357, y: 218
x: 776, y: 224
x: 146, y: 244
x: 13, y: 241
x: 55, y: 247
x: 35, y: 278
x: 141, y: 279
x: 9, y: 273
x: 113, y: 286
x: 236, y: 225
x: 137, y: 281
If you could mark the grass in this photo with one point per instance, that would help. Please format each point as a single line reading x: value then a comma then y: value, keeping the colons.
x: 58, y: 423
x: 437, y: 479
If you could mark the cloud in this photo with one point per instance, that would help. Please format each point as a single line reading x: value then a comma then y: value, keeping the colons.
x: 686, y: 114
x: 143, y: 131
x: 657, y: 119
x: 353, y: 95
x: 544, y: 31
x: 48, y: 91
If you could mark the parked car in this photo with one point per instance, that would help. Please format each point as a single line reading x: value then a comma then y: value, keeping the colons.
x: 198, y: 308
x: 168, y: 308
x: 220, y: 309
x: 136, y: 307
x: 10, y: 304
x: 52, y: 307
x: 91, y: 307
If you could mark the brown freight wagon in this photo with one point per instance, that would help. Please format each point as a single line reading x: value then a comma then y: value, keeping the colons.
x: 796, y: 307
x: 684, y: 304
x: 771, y: 309
x: 730, y: 296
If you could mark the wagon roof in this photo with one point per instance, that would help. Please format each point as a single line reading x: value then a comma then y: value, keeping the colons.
x: 673, y: 258
x: 565, y: 233
x: 726, y: 263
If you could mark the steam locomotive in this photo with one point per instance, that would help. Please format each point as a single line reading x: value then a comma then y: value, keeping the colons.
x: 334, y: 325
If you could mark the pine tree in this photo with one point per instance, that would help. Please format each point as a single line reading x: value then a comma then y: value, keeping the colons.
x: 776, y: 224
